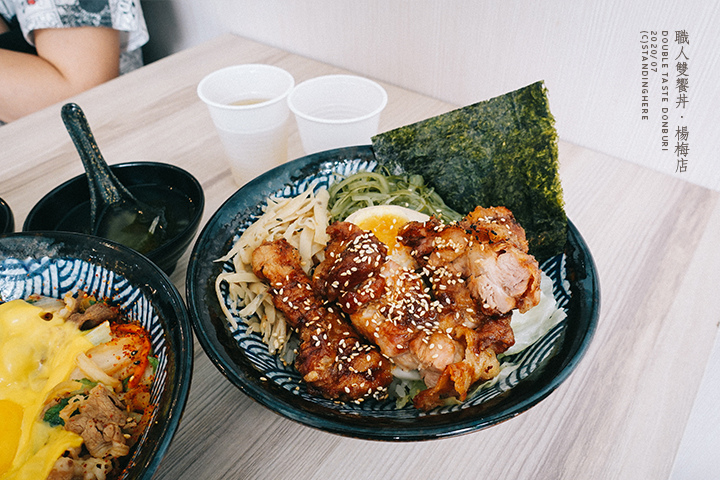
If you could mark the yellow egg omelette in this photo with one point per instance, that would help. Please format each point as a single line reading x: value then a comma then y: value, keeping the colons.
x: 35, y: 355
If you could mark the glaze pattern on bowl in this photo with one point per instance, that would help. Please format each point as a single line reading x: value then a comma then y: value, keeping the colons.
x: 54, y: 277
x: 275, y: 370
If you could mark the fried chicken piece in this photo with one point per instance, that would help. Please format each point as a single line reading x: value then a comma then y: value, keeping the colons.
x: 494, y: 225
x: 503, y: 278
x: 387, y: 304
x: 349, y: 273
x: 478, y: 362
x: 487, y: 250
x: 435, y: 336
x: 502, y: 270
x: 480, y: 271
x: 481, y: 336
x: 332, y: 359
x: 402, y: 313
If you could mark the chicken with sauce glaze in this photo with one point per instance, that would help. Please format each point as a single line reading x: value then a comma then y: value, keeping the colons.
x: 446, y: 315
x: 332, y: 358
x: 478, y: 271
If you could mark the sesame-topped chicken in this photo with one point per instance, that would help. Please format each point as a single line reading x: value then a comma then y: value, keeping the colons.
x: 441, y: 305
x: 332, y: 358
x: 478, y: 271
x: 488, y: 250
x: 388, y: 304
x: 349, y: 273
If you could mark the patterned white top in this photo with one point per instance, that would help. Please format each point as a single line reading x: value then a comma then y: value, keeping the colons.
x: 123, y: 15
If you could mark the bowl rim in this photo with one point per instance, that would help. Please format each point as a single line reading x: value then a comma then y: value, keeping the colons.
x: 9, y: 220
x: 220, y: 347
x: 177, y: 328
x: 180, y: 239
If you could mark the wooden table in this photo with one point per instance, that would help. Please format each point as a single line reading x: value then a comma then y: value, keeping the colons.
x: 621, y: 414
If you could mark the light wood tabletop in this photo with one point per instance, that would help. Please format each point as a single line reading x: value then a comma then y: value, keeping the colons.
x: 621, y: 414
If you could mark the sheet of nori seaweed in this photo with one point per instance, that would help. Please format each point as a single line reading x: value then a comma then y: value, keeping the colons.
x: 502, y: 151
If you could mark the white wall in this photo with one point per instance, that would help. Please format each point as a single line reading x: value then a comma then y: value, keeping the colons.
x: 463, y: 51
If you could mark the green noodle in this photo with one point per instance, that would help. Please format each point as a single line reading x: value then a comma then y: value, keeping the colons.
x: 366, y: 189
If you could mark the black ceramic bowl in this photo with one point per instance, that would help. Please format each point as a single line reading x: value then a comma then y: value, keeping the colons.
x: 243, y: 358
x: 67, y: 207
x: 7, y: 221
x: 53, y: 263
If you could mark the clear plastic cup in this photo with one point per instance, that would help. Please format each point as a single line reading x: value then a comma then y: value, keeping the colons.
x: 248, y: 106
x: 336, y: 111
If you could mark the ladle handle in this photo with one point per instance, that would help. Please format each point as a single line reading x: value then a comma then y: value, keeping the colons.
x: 104, y: 186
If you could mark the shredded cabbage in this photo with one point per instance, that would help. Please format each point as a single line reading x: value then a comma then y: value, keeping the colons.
x: 532, y: 325
x: 99, y: 334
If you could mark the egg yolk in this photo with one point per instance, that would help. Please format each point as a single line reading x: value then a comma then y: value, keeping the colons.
x: 385, y: 227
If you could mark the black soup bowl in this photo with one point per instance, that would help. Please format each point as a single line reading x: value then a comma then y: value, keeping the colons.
x: 54, y: 263
x: 7, y: 221
x: 67, y: 207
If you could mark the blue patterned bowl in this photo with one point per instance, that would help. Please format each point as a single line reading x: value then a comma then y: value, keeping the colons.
x: 245, y: 361
x: 53, y: 263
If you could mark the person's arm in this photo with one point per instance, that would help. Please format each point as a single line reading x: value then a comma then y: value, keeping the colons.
x: 69, y: 61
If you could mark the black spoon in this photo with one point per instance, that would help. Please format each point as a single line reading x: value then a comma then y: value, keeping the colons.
x: 115, y: 213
